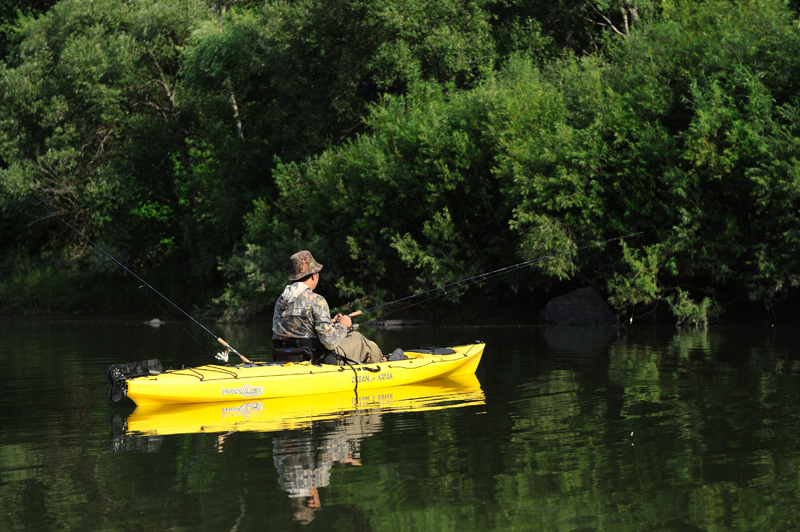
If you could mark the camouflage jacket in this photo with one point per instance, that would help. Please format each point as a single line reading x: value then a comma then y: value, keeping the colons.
x: 300, y: 313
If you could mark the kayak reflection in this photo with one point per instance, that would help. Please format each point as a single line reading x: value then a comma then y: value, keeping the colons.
x: 272, y: 415
x: 311, y: 433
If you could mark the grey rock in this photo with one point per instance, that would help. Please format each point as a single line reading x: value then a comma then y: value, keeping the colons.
x: 584, y: 306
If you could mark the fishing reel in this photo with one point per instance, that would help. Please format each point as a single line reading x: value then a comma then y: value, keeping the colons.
x: 222, y: 356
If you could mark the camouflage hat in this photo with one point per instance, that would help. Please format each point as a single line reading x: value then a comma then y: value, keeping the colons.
x: 303, y: 264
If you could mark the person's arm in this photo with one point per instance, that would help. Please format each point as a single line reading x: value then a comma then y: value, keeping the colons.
x: 329, y: 333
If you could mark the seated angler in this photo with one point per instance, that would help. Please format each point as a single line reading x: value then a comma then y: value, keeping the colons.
x: 302, y: 318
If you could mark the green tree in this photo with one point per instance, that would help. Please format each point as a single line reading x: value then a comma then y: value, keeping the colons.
x: 576, y: 26
x: 673, y: 133
x: 438, y: 190
x: 410, y: 144
x: 720, y: 95
x: 10, y: 11
x: 92, y: 125
x: 304, y: 72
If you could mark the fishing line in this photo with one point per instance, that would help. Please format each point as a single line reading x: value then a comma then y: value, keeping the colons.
x: 170, y: 315
x: 488, y: 275
x: 121, y: 265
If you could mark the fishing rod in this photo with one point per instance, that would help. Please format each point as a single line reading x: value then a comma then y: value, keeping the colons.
x: 120, y: 264
x: 484, y: 276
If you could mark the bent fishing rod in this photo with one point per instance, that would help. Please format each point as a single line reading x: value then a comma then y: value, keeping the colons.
x: 507, y: 269
x: 120, y: 264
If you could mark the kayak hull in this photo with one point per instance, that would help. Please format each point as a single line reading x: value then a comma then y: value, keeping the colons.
x: 214, y: 383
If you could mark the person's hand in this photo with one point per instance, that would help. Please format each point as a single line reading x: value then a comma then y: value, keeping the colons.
x: 344, y: 320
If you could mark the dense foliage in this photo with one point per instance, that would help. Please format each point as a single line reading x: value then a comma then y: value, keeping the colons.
x: 408, y: 145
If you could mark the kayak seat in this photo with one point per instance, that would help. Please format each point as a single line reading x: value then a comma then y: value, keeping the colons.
x: 292, y: 354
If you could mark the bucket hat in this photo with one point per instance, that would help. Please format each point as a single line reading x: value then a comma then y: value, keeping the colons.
x: 303, y: 264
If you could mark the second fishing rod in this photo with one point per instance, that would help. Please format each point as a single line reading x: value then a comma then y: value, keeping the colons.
x: 443, y: 289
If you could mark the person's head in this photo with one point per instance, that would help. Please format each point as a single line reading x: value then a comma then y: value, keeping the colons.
x: 304, y: 507
x: 302, y: 513
x: 303, y: 267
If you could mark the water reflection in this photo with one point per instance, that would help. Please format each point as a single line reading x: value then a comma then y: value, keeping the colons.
x: 304, y: 458
x: 310, y: 434
x: 582, y: 345
x: 580, y: 429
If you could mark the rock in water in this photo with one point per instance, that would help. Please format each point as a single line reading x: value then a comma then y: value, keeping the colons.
x: 584, y: 306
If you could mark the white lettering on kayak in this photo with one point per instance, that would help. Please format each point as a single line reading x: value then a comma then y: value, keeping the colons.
x: 245, y: 390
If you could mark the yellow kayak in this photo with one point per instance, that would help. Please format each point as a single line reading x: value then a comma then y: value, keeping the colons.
x: 284, y: 413
x: 213, y: 383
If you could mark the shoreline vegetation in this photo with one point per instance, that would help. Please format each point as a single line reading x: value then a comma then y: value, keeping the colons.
x: 408, y: 147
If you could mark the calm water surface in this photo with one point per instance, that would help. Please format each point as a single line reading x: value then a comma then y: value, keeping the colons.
x: 573, y: 429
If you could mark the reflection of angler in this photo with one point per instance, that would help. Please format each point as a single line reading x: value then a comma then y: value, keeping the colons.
x: 304, y: 458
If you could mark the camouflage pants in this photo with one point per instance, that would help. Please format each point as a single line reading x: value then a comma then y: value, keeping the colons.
x: 356, y: 346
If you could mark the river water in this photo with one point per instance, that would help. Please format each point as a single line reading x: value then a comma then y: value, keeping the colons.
x: 564, y: 429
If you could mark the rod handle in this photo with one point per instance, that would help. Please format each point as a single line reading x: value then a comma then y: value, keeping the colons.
x: 223, y: 342
x: 354, y: 314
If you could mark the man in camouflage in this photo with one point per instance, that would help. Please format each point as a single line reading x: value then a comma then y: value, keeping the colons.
x: 302, y: 314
